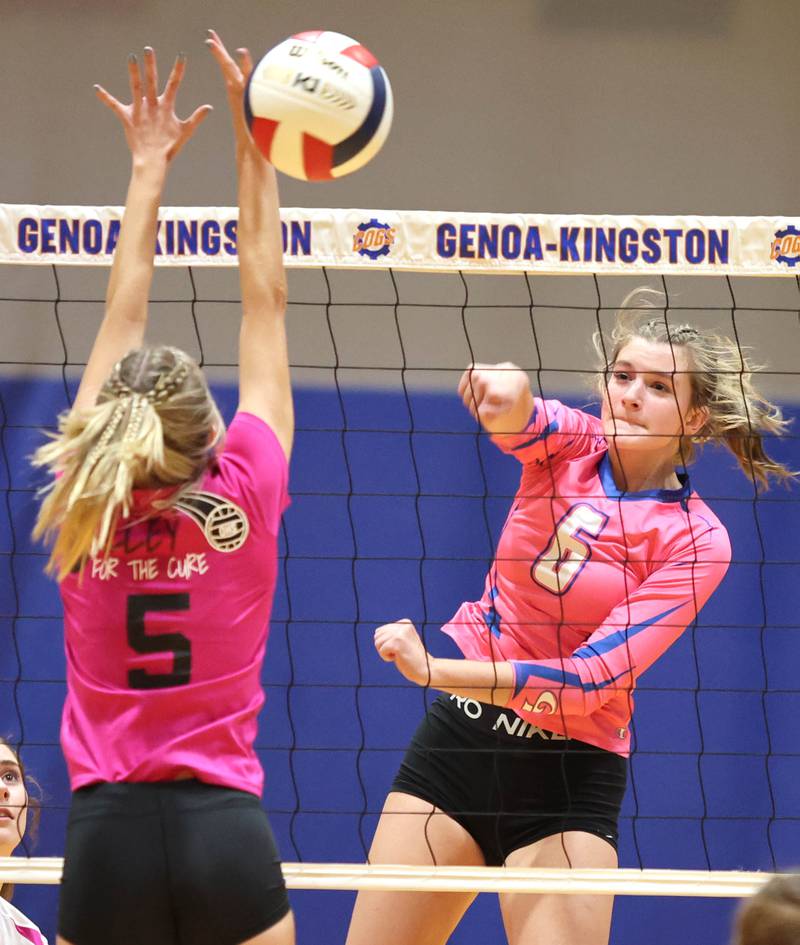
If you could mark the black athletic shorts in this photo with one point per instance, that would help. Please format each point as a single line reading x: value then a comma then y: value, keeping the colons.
x: 509, y: 783
x: 168, y: 863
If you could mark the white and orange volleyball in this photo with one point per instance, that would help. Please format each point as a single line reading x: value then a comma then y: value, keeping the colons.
x: 319, y: 105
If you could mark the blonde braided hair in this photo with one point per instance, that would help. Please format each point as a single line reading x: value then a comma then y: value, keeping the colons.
x: 154, y: 425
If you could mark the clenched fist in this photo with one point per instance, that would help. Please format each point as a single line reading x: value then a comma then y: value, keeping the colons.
x: 400, y: 643
x: 497, y: 395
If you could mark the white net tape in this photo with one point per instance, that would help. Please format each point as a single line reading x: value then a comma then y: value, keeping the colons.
x: 491, y: 879
x: 424, y: 240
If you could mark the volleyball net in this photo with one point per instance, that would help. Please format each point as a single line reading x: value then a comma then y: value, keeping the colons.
x: 398, y: 500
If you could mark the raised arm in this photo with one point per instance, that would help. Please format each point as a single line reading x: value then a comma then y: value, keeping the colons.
x: 154, y: 135
x: 264, y: 381
x: 498, y: 396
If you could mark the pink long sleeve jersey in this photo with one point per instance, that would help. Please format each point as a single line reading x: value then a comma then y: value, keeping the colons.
x: 165, y: 637
x: 590, y: 585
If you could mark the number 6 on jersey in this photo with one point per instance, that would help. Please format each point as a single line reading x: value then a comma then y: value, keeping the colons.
x: 558, y: 566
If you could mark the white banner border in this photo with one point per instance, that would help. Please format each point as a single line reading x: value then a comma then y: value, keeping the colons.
x: 426, y: 241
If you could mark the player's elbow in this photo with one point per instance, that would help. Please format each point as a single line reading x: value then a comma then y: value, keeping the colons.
x: 278, y: 295
x: 588, y: 698
x: 274, y: 292
x: 267, y: 297
x: 592, y: 702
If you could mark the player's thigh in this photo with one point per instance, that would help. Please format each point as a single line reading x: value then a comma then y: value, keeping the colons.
x: 413, y: 832
x: 282, y: 933
x: 560, y: 919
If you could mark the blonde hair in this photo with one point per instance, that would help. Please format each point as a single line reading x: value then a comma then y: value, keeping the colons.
x: 721, y: 377
x: 772, y: 915
x: 151, y: 426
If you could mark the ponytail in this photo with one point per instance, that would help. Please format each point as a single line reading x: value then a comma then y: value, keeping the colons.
x: 151, y: 427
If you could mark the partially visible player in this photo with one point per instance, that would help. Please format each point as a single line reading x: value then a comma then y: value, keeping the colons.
x: 165, y: 531
x: 772, y: 915
x: 17, y: 810
x: 606, y: 556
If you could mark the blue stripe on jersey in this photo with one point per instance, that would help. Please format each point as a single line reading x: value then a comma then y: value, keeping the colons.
x: 491, y: 617
x: 524, y: 671
x: 550, y: 428
x: 358, y: 139
x: 614, y: 640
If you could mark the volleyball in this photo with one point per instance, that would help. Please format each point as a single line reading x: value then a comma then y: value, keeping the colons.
x: 318, y: 105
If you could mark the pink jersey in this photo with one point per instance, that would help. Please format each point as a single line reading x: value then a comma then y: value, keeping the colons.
x: 590, y: 585
x: 165, y: 637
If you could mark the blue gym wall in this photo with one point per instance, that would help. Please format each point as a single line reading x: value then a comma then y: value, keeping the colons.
x: 385, y: 524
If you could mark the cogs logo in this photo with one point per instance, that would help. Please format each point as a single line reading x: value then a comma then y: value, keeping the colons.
x: 373, y: 239
x: 786, y: 246
x: 546, y: 704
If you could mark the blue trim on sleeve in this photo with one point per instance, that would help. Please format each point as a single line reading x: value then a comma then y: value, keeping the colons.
x: 527, y: 670
x: 550, y: 428
x: 524, y: 671
x: 613, y: 640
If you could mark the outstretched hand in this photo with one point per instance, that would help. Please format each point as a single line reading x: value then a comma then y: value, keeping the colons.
x: 235, y: 75
x: 399, y: 643
x: 152, y: 128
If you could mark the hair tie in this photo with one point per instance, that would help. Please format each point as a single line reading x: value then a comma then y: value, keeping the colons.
x: 688, y: 331
x: 168, y: 384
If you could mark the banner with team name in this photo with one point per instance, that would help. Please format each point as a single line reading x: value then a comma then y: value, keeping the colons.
x: 423, y: 241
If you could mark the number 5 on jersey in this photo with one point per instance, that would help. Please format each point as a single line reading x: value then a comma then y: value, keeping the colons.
x: 561, y: 562
x: 175, y: 644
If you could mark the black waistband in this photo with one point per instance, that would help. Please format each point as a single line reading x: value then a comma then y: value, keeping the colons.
x: 151, y: 796
x: 503, y: 724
